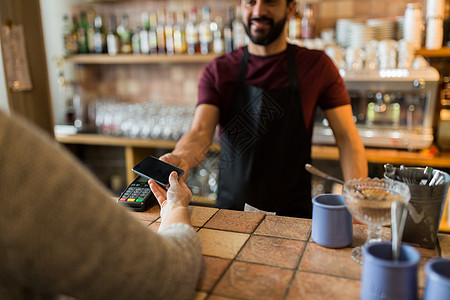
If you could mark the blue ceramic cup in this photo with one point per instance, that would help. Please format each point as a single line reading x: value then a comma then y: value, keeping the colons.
x: 331, y: 221
x: 438, y: 279
x: 384, y: 278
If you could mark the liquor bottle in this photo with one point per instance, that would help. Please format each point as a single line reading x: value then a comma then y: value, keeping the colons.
x: 112, y: 39
x: 204, y: 32
x: 82, y: 34
x: 152, y: 35
x: 179, y: 35
x: 160, y: 31
x: 218, y: 43
x: 193, y: 46
x: 124, y: 33
x: 143, y: 34
x: 295, y: 25
x: 136, y: 41
x: 446, y: 34
x: 74, y: 31
x: 308, y: 25
x: 239, y: 35
x: 90, y: 31
x: 228, y: 30
x: 99, y: 36
x: 168, y: 32
x: 70, y: 44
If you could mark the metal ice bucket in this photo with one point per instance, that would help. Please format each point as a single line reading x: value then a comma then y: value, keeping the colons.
x: 428, y: 189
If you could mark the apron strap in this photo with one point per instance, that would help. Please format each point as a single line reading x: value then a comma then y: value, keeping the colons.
x: 292, y: 71
x: 291, y: 66
x: 243, y: 66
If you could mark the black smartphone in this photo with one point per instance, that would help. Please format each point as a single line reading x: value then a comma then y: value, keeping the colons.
x: 156, y: 169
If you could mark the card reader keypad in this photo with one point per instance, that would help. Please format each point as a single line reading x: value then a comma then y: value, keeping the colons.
x: 136, y: 192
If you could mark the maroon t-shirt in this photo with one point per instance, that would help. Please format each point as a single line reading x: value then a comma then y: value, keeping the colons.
x: 318, y: 80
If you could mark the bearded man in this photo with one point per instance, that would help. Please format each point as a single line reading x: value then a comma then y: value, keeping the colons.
x: 264, y: 97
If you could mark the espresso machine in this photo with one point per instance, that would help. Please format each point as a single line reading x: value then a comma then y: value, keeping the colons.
x: 392, y: 108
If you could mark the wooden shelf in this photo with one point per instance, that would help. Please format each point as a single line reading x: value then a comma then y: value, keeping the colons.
x: 105, y: 140
x: 443, y: 52
x: 374, y: 155
x: 105, y: 59
x: 393, y: 156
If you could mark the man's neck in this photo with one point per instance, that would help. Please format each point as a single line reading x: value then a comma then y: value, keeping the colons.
x: 277, y: 46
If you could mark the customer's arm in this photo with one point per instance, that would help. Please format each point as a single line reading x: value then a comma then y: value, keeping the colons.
x: 351, y: 149
x: 192, y: 148
x: 62, y: 233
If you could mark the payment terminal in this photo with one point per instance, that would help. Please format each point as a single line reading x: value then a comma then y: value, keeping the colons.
x: 138, y: 195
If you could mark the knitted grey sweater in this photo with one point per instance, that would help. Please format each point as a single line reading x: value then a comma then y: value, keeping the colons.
x: 61, y: 233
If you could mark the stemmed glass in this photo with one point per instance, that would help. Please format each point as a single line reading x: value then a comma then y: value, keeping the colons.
x: 369, y: 201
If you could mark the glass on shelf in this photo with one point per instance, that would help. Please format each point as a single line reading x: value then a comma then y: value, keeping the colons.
x: 153, y: 120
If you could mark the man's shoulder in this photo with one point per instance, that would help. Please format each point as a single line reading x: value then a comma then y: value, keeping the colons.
x: 307, y: 53
x: 230, y: 58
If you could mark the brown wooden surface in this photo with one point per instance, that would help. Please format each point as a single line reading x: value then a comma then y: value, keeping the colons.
x: 35, y: 104
x: 374, y: 155
x: 100, y: 59
x: 443, y: 52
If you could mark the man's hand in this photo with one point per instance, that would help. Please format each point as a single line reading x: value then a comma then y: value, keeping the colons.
x: 176, y: 160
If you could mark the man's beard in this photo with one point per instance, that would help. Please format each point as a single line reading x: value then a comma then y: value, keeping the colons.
x: 272, y: 35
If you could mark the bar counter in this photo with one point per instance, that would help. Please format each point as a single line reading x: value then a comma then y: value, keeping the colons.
x: 250, y: 255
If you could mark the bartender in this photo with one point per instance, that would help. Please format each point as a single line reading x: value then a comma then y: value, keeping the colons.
x: 264, y: 97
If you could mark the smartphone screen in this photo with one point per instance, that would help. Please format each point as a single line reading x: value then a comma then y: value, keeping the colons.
x: 156, y: 169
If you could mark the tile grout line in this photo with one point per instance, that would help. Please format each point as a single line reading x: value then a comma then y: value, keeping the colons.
x: 234, y: 258
x: 297, y: 269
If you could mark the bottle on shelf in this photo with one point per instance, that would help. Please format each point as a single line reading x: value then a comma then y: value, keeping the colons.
x: 239, y: 35
x: 193, y: 45
x: 218, y: 43
x: 446, y: 34
x: 168, y: 32
x: 124, y: 33
x: 90, y: 31
x: 69, y: 36
x: 144, y: 44
x: 160, y: 31
x: 446, y: 37
x: 112, y: 39
x: 74, y: 31
x: 136, y: 41
x: 295, y: 25
x: 99, y: 36
x: 82, y: 34
x: 308, y: 24
x: 228, y: 30
x: 152, y: 35
x: 179, y: 36
x: 204, y: 32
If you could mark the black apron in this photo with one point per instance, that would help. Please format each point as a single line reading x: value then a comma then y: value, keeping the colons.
x: 265, y: 147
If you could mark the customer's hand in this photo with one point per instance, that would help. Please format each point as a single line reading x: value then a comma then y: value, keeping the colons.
x: 178, y: 161
x: 173, y: 202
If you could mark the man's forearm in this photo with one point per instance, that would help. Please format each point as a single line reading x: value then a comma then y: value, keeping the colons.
x: 353, y: 161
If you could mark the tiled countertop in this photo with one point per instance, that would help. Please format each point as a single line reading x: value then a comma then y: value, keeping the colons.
x: 254, y: 256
